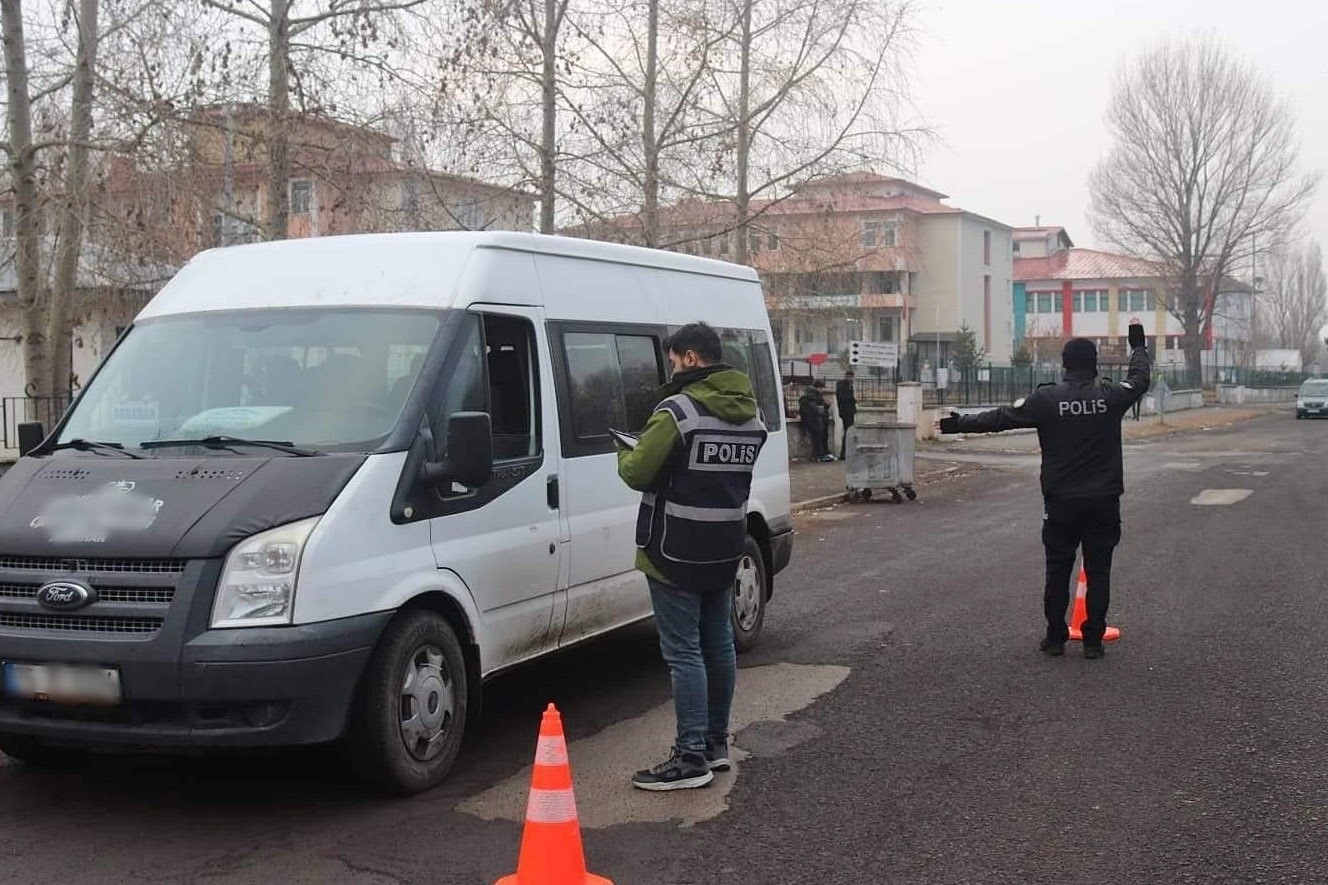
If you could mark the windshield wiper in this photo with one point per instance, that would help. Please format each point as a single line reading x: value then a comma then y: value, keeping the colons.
x: 91, y: 445
x: 224, y: 442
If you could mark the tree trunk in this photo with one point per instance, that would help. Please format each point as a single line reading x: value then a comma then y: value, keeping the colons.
x: 75, y: 204
x: 744, y: 145
x: 278, y: 134
x: 27, y: 223
x: 1192, y: 321
x: 549, y: 109
x: 649, y: 137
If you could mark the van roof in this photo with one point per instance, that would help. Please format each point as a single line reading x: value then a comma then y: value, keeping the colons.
x: 389, y: 270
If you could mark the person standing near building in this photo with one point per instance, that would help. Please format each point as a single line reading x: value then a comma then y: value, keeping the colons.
x: 1079, y: 430
x: 847, y: 400
x: 693, y: 464
x: 814, y: 413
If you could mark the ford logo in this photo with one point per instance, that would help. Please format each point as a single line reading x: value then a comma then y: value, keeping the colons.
x: 65, y: 595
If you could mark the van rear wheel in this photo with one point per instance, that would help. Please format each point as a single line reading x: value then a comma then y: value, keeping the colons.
x: 749, y: 597
x: 410, y: 715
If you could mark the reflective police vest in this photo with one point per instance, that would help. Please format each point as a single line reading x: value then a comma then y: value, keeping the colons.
x: 693, y: 525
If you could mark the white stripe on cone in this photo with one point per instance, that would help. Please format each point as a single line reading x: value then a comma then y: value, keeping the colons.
x: 551, y: 751
x: 551, y: 807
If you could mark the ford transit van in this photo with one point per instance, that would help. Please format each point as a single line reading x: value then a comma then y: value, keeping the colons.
x: 322, y: 489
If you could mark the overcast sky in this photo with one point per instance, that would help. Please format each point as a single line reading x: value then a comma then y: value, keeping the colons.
x: 1018, y: 90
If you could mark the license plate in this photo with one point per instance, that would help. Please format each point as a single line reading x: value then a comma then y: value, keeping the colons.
x: 62, y: 684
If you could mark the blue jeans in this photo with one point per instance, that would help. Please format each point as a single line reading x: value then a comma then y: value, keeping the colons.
x: 696, y: 639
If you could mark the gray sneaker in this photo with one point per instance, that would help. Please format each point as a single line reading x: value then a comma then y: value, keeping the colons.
x: 717, y: 754
x: 681, y: 771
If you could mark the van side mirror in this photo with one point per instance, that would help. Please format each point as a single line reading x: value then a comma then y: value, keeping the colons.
x: 30, y: 436
x: 469, y: 453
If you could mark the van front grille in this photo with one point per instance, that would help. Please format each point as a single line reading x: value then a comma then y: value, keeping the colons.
x: 112, y: 626
x: 92, y: 566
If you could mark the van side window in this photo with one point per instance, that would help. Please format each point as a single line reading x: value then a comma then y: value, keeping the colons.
x: 748, y: 351
x: 497, y: 372
x: 513, y: 371
x: 613, y: 381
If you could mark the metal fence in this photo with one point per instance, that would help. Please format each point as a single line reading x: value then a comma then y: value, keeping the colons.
x: 991, y: 384
x: 16, y: 410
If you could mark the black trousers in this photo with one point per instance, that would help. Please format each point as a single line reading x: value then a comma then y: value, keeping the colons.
x: 1067, y: 525
x: 817, y: 434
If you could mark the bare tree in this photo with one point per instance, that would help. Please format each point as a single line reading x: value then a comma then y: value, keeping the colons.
x: 74, y: 205
x: 22, y: 154
x: 1294, y: 307
x: 807, y: 89
x: 350, y: 24
x: 1203, y: 166
x: 637, y: 105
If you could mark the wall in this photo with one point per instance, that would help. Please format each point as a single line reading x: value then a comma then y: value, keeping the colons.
x: 938, y: 277
x: 1229, y: 395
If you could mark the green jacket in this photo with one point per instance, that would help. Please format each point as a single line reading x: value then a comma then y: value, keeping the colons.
x: 726, y: 392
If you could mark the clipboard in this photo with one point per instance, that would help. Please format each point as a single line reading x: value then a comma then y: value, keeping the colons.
x: 627, y: 439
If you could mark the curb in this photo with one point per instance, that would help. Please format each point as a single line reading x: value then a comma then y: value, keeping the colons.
x: 814, y: 503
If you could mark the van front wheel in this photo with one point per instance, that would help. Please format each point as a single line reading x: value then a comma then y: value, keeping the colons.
x: 410, y: 715
x: 749, y: 597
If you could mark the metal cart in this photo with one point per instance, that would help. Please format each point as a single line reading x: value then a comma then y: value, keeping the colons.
x: 879, y: 458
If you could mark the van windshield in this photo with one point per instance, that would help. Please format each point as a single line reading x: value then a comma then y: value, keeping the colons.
x: 326, y: 379
x: 1314, y: 388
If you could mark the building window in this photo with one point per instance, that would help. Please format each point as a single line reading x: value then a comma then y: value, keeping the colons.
x: 754, y: 242
x: 885, y: 328
x: 410, y: 196
x: 723, y: 244
x: 469, y: 215
x: 1057, y: 302
x: 7, y: 222
x: 1044, y: 300
x: 1078, y: 306
x: 301, y: 197
x: 986, y: 312
x: 1015, y: 247
x: 986, y: 247
x: 772, y: 241
x: 878, y: 234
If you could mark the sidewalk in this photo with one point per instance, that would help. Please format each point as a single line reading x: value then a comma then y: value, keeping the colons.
x: 816, y: 485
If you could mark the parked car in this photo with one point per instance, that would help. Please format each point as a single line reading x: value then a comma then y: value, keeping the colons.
x: 1312, y: 398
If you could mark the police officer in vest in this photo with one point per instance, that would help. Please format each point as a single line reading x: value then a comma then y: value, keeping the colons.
x: 693, y: 463
x: 1079, y: 429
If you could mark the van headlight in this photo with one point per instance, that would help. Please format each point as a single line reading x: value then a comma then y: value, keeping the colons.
x: 257, y: 587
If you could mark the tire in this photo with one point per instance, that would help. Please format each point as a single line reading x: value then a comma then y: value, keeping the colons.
x: 34, y: 752
x: 418, y: 670
x: 1300, y: 415
x: 749, y: 597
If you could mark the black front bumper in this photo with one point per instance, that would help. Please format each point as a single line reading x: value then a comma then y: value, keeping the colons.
x: 781, y: 551
x: 187, y: 686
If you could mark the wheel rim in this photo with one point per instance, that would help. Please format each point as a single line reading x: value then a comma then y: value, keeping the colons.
x: 428, y: 703
x: 747, y: 594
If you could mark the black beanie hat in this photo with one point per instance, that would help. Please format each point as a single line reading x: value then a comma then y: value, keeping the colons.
x: 1079, y: 353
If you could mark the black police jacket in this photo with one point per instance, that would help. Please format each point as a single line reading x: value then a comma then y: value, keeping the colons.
x: 1079, y: 428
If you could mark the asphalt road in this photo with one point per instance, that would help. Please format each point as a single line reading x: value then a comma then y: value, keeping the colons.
x: 899, y: 723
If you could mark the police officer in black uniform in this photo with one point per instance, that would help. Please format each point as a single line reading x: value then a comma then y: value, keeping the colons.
x: 1079, y: 429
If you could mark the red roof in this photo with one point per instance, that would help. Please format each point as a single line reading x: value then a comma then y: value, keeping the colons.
x: 1037, y: 233
x: 848, y: 178
x: 1083, y: 264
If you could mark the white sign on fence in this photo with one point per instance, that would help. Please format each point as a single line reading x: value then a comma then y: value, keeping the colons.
x: 873, y: 353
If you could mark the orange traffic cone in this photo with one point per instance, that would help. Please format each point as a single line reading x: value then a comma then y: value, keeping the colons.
x: 1081, y: 613
x: 551, y: 852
